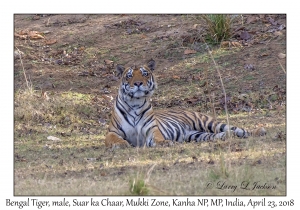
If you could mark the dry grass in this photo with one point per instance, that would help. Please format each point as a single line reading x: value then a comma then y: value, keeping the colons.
x: 79, y: 163
x: 219, y: 27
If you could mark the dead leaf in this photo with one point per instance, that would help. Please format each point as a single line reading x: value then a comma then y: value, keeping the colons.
x: 36, y: 17
x: 81, y: 48
x: 45, y: 95
x: 21, y: 36
x: 236, y: 44
x: 277, y: 33
x: 24, y: 34
x: 267, y: 25
x: 281, y: 55
x: 251, y: 19
x: 50, y: 41
x: 35, y: 35
x: 263, y: 54
x: 109, y: 63
x: 189, y: 51
x: 225, y: 44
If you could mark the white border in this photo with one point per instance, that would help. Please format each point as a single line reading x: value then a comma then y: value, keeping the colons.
x: 154, y: 6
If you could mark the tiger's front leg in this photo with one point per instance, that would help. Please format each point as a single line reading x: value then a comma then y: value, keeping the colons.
x: 156, y: 138
x: 114, y: 140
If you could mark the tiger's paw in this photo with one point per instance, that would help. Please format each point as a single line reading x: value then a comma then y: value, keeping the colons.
x: 259, y: 131
x: 120, y: 144
x: 166, y: 143
x: 161, y: 142
x: 114, y: 141
x: 228, y: 134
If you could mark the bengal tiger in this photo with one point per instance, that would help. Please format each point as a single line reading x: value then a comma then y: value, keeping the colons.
x: 135, y: 123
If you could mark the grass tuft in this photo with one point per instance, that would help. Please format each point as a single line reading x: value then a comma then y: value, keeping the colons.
x: 139, y: 187
x: 219, y: 27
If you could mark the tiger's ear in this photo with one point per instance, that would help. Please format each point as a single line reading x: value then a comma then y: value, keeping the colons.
x: 151, y: 64
x: 120, y: 69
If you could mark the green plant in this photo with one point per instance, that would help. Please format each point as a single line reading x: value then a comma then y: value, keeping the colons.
x: 219, y: 27
x: 138, y: 187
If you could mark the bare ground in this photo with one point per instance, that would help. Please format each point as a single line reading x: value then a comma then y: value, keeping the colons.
x: 71, y: 89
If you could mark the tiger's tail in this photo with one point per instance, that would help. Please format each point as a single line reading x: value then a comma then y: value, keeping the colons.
x: 223, y: 132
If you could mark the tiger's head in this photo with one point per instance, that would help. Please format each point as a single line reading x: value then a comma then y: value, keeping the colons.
x: 137, y: 82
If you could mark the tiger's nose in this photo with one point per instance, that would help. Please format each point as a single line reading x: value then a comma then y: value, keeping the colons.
x: 138, y: 83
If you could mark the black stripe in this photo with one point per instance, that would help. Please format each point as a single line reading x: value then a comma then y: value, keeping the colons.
x: 119, y: 107
x: 172, y: 136
x: 209, y: 126
x: 149, y: 119
x: 178, y: 134
x: 189, y: 139
x: 197, y: 135
x: 118, y: 127
x: 169, y: 130
x: 164, y: 130
x: 176, y: 130
x: 200, y: 124
x: 153, y: 127
x: 187, y: 119
x: 243, y: 133
x: 143, y: 104
x: 222, y: 127
x: 182, y: 118
x: 142, y: 113
x: 205, y: 137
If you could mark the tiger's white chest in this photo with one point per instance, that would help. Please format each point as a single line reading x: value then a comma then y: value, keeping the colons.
x: 135, y: 129
x: 132, y: 126
x: 134, y: 135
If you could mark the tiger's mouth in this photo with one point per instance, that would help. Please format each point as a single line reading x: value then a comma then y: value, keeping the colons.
x: 139, y: 94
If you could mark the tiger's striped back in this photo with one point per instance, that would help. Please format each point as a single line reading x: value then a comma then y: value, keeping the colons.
x: 179, y: 125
